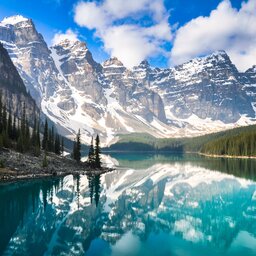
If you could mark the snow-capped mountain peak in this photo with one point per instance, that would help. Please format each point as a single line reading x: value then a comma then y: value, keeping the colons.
x: 13, y: 20
x: 113, y: 62
x: 200, y: 96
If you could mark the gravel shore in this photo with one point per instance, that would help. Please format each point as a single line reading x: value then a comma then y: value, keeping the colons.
x: 16, y: 166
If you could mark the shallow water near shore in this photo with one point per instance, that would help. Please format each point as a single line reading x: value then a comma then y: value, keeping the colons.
x: 150, y: 205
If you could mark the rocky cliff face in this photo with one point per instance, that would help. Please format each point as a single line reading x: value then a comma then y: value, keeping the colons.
x: 31, y: 56
x: 12, y: 88
x: 208, y: 87
x: 203, y: 95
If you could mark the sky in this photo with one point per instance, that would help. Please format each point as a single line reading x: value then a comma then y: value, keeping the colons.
x: 165, y: 32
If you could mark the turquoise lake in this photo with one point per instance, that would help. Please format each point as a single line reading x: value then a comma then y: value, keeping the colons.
x: 150, y: 205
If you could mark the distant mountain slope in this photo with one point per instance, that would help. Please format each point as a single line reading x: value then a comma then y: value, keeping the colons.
x: 13, y: 90
x: 229, y: 140
x: 201, y: 96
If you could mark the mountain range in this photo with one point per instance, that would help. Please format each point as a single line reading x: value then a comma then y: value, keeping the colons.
x: 204, y: 95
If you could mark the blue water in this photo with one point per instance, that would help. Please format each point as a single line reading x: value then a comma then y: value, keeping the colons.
x: 150, y: 205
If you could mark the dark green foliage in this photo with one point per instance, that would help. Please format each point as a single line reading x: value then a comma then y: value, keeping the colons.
x: 145, y: 142
x: 97, y: 152
x: 2, y: 165
x: 45, y: 162
x: 45, y: 136
x: 91, y: 155
x: 62, y: 146
x: 15, y: 132
x: 57, y: 148
x: 51, y: 139
x: 94, y: 153
x: 77, y: 147
x: 243, y: 144
x: 4, y: 118
x: 38, y: 133
x: 94, y: 187
x: 9, y: 125
x: 34, y: 137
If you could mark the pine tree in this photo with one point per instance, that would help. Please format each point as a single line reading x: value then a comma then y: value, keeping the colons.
x: 77, y: 148
x: 21, y: 147
x: 97, y: 152
x: 74, y: 153
x: 38, y: 133
x: 4, y: 118
x: 27, y: 136
x: 33, y: 138
x: 91, y: 156
x: 23, y: 121
x: 9, y: 125
x: 52, y: 139
x: 49, y: 141
x: 57, y: 144
x: 62, y: 146
x: 45, y: 162
x: 45, y: 136
x: 14, y: 130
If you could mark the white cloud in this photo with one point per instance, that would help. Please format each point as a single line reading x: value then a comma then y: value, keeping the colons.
x: 90, y: 15
x: 225, y: 29
x: 130, y: 40
x: 69, y: 34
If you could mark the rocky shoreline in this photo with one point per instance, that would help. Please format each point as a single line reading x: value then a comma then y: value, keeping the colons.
x: 227, y: 156
x: 16, y: 166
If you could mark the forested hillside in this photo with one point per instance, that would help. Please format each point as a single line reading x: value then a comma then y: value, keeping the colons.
x: 243, y: 144
x: 239, y: 140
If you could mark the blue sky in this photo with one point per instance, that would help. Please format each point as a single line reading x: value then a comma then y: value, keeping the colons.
x: 161, y: 33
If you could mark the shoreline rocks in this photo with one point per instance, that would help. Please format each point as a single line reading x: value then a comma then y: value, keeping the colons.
x: 17, y: 166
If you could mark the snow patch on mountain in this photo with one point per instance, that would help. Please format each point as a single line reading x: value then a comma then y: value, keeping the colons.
x: 13, y: 20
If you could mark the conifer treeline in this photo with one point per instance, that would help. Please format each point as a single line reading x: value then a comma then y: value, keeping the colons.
x: 52, y: 141
x: 94, y: 151
x: 17, y: 134
x: 243, y: 144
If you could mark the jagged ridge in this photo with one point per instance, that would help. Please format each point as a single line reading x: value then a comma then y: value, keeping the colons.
x: 201, y: 96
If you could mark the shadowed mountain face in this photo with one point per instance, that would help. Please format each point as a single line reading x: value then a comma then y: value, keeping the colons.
x: 203, y: 95
x: 13, y: 90
x: 179, y: 202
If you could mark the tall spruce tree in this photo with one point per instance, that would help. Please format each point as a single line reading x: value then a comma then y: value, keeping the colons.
x: 57, y: 144
x: 38, y: 133
x: 97, y: 152
x: 45, y: 136
x: 77, y: 147
x: 4, y: 118
x: 21, y: 145
x: 9, y: 125
x: 91, y: 156
x: 14, y: 130
x: 74, y: 153
x: 62, y: 146
x: 33, y: 137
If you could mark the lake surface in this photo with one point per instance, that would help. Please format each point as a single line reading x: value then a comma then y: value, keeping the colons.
x: 151, y: 205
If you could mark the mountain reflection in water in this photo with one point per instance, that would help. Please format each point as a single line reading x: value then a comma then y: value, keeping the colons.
x: 167, y: 206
